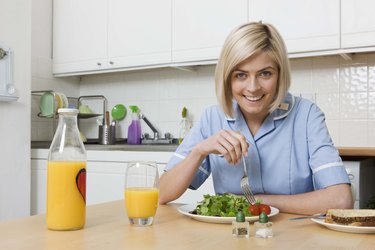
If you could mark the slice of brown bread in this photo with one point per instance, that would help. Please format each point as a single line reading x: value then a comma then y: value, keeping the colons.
x: 352, y: 217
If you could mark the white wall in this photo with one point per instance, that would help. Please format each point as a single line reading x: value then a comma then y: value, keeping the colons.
x: 15, y: 31
x: 160, y: 94
x: 41, y: 70
x: 345, y: 91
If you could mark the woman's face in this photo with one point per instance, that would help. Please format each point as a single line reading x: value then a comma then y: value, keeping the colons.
x: 254, y: 85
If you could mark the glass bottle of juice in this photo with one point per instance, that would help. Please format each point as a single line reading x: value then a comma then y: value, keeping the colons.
x: 66, y: 175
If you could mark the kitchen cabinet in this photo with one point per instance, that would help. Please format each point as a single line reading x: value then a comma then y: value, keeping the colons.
x: 111, y: 34
x: 139, y: 32
x: 310, y: 25
x: 38, y: 186
x: 119, y: 35
x: 79, y: 35
x: 105, y: 177
x: 357, y: 23
x: 199, y: 28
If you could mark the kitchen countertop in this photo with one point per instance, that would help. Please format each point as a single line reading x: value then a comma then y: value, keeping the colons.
x: 117, y: 147
x: 344, y: 151
x: 357, y: 151
x: 107, y: 227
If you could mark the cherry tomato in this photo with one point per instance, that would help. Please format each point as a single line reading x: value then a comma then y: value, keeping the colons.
x: 254, y: 209
x: 264, y: 208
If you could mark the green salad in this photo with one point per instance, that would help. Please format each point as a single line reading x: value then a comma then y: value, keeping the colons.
x: 225, y: 205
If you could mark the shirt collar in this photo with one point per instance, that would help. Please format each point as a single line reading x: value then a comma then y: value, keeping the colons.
x: 284, y: 108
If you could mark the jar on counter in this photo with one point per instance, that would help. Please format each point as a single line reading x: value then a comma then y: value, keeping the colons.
x: 263, y: 227
x: 240, y: 227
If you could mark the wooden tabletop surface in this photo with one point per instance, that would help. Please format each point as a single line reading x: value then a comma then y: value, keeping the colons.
x: 107, y: 227
x: 357, y: 151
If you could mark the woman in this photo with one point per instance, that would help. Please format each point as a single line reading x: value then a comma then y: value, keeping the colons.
x: 291, y: 161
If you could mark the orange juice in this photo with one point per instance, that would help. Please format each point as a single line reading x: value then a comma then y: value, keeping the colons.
x: 141, y: 202
x: 66, y: 193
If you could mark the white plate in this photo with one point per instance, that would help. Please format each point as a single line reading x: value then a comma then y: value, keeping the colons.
x: 186, y: 210
x: 345, y: 228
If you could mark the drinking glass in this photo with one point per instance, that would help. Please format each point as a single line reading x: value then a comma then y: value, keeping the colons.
x: 141, y: 192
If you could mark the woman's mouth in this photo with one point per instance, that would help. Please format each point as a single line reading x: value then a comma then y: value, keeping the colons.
x: 254, y: 98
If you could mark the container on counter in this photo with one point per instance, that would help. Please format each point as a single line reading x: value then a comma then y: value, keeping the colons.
x: 134, y: 130
x: 240, y: 227
x: 263, y: 227
x: 66, y: 175
x: 184, y: 126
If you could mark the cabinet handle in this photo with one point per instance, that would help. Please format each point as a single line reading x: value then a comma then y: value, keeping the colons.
x: 99, y: 63
x: 111, y: 62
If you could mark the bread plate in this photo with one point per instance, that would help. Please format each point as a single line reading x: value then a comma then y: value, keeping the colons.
x: 345, y: 228
x: 186, y: 210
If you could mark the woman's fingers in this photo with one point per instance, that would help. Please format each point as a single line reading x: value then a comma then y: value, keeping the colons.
x: 232, y: 145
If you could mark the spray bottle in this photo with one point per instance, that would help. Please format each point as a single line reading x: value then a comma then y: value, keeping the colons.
x: 134, y: 130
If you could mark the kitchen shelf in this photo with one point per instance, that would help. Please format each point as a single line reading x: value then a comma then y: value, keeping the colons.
x: 87, y: 115
x: 7, y: 88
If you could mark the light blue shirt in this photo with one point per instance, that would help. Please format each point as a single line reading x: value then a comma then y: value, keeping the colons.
x: 291, y: 153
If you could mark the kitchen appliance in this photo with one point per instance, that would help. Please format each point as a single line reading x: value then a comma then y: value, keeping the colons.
x: 7, y: 88
x: 362, y: 175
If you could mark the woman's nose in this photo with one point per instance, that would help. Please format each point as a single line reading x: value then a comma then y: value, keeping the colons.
x: 252, y: 84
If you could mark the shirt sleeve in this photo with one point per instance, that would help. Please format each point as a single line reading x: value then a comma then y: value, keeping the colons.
x: 325, y: 163
x: 196, y: 134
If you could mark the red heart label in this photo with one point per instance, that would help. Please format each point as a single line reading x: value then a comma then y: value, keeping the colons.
x: 81, y: 183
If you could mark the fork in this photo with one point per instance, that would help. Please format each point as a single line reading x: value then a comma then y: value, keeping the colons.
x: 245, y: 185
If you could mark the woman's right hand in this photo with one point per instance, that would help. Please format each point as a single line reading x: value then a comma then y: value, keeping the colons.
x: 231, y: 144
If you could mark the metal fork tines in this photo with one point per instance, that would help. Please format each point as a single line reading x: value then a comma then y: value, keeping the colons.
x: 245, y: 185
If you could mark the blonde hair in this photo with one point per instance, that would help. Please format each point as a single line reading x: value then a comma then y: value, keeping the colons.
x: 242, y: 43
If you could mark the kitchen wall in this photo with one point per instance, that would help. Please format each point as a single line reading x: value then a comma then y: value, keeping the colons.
x: 344, y: 90
x: 41, y: 69
x: 15, y: 31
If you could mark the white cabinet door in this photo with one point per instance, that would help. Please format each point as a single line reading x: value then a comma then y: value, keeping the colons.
x: 357, y: 23
x: 139, y: 32
x: 38, y: 186
x: 200, y: 27
x: 309, y: 25
x: 79, y: 35
x: 105, y: 182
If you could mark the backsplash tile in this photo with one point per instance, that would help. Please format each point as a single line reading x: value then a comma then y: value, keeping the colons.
x: 353, y: 74
x: 371, y: 106
x: 353, y: 106
x: 371, y: 72
x: 330, y: 104
x: 325, y: 74
x: 343, y: 89
x: 353, y: 133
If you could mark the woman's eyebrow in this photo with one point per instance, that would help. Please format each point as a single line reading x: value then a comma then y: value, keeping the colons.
x: 260, y: 70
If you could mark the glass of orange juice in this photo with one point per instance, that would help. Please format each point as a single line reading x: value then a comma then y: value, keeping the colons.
x: 141, y: 192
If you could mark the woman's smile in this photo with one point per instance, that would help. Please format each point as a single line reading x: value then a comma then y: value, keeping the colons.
x: 254, y: 98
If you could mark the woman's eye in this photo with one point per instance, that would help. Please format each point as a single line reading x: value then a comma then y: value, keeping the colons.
x: 265, y: 74
x: 240, y: 75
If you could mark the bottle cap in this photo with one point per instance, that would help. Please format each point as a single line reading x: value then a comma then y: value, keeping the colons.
x: 240, y: 217
x: 184, y: 112
x: 134, y: 108
x: 263, y: 218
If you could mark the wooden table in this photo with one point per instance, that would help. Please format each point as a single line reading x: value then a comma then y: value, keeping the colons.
x: 107, y: 227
